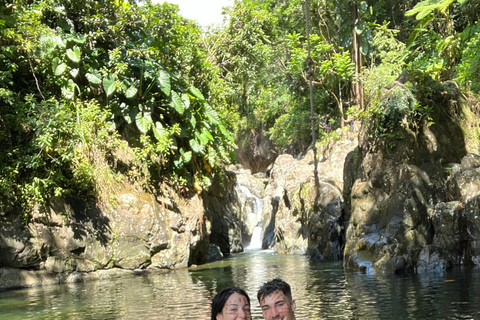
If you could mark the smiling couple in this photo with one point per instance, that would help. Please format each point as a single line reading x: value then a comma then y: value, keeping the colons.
x: 274, y: 297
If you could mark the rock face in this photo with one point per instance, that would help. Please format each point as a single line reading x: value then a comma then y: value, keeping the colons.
x: 296, y: 221
x: 140, y: 232
x: 233, y: 207
x: 256, y: 155
x: 222, y: 209
x: 413, y: 205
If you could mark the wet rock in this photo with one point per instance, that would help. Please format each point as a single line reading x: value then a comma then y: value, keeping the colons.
x: 412, y: 207
x: 223, y: 210
x: 214, y: 253
x: 141, y: 231
x: 300, y: 217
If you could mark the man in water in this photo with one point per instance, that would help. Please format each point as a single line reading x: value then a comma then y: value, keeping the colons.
x: 275, y: 299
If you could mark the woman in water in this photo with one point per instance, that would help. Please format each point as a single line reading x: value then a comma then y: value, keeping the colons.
x: 231, y: 303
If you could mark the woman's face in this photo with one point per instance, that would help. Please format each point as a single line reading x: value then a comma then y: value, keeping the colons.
x: 236, y: 307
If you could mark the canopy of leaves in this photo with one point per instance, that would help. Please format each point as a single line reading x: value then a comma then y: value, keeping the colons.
x: 86, y: 84
x: 81, y: 80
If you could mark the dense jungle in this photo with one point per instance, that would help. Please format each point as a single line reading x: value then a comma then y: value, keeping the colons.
x: 103, y: 99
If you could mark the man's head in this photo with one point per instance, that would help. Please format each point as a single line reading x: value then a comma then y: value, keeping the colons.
x: 275, y: 299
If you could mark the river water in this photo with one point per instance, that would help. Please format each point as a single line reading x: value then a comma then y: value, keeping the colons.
x: 323, y: 290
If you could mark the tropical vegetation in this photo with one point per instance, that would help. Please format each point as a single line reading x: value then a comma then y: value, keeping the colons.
x: 96, y: 94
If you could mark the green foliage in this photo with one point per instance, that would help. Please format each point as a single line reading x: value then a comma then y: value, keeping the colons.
x: 262, y: 58
x: 436, y: 45
x: 424, y: 8
x: 389, y: 56
x: 468, y: 70
x: 99, y: 76
x: 398, y: 113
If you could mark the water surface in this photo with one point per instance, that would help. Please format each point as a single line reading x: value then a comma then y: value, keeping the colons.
x: 322, y: 291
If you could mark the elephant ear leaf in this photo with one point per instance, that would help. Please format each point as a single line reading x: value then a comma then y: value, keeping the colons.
x: 164, y: 82
x: 177, y: 103
x: 196, y: 93
x: 109, y: 86
x: 159, y: 131
x: 186, y: 101
x: 74, y: 54
x: 60, y: 69
x: 131, y: 92
x: 144, y: 121
x: 93, y: 78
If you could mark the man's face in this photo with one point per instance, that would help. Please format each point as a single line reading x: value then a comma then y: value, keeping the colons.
x: 278, y: 306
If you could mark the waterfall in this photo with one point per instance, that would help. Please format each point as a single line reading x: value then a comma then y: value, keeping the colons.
x: 256, y: 242
x: 252, y: 206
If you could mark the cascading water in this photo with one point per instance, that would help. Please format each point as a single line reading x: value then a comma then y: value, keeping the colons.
x: 256, y: 242
x: 252, y: 206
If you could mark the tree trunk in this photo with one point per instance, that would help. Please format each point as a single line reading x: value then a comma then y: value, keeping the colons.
x: 357, y: 59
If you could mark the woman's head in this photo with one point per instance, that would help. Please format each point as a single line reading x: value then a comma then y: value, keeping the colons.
x: 231, y: 303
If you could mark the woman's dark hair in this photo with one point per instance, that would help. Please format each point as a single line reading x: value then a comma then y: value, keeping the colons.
x: 221, y: 298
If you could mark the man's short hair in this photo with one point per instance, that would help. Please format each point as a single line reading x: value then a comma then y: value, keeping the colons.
x: 273, y: 286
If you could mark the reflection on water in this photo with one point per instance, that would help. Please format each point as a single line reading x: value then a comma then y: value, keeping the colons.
x: 322, y: 291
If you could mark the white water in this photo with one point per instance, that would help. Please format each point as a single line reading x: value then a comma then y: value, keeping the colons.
x: 253, y: 207
x: 256, y: 242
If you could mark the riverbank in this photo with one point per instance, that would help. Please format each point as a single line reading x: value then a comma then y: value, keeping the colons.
x: 11, y: 278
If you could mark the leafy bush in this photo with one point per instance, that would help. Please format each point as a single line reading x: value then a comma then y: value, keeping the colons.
x: 82, y: 80
x: 468, y: 70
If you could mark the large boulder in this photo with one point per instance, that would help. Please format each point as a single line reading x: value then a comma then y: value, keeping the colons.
x: 411, y: 206
x: 223, y: 211
x: 301, y: 217
x: 141, y: 231
x: 255, y: 151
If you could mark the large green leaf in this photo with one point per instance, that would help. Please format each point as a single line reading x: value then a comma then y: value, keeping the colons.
x: 225, y: 132
x: 201, y: 137
x: 126, y: 112
x: 196, y: 93
x: 192, y: 119
x: 159, y: 131
x: 74, y: 54
x: 74, y: 72
x: 196, y: 147
x: 211, y: 114
x: 60, y: 69
x: 131, y: 92
x: 109, y: 86
x: 93, y: 78
x: 187, y: 156
x: 69, y: 90
x: 164, y: 81
x: 177, y: 103
x: 207, y: 134
x: 185, y: 101
x: 144, y: 121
